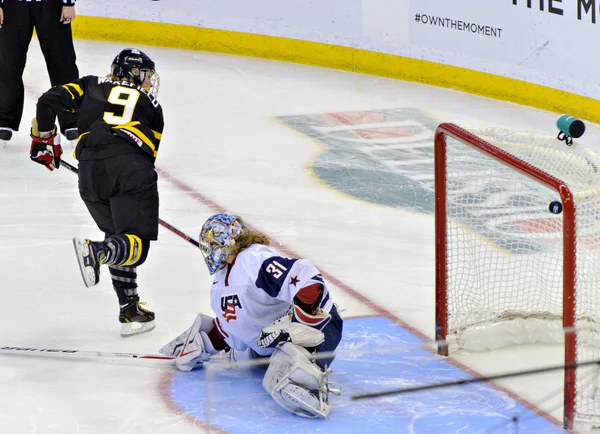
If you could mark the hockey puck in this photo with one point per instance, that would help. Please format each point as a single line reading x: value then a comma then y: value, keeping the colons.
x: 555, y: 207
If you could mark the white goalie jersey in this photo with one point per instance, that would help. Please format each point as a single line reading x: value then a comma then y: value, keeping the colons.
x: 255, y: 290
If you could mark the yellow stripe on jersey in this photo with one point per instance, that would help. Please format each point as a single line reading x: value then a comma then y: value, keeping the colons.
x: 144, y: 138
x: 128, y: 124
x: 73, y: 86
x: 68, y: 90
x: 130, y: 127
x: 77, y: 88
x: 157, y: 135
x: 135, y: 250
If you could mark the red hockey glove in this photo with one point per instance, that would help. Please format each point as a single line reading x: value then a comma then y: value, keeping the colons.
x: 47, y: 150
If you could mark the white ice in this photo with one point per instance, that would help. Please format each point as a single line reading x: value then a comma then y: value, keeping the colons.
x: 221, y: 139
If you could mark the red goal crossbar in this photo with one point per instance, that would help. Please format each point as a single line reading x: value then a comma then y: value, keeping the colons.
x: 463, y: 136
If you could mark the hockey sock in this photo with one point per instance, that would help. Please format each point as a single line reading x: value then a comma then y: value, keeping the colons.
x: 124, y: 282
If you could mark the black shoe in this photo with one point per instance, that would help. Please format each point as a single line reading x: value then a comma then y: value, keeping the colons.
x: 5, y: 133
x: 135, y: 319
x: 71, y: 134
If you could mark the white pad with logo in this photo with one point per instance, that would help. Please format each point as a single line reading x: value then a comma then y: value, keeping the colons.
x: 192, y: 347
x: 296, y: 383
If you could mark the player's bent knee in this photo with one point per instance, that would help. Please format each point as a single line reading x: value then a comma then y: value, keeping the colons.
x: 127, y: 250
x: 137, y: 251
x: 296, y: 383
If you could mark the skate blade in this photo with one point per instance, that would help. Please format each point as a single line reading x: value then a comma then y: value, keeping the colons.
x: 87, y: 273
x: 136, y: 328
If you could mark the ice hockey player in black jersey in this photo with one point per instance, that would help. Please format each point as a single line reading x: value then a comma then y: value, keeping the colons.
x: 120, y: 123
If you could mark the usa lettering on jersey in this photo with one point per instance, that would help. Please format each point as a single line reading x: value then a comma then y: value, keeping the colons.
x: 229, y: 306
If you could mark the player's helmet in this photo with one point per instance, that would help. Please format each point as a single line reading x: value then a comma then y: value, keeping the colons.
x: 136, y: 65
x: 217, y: 238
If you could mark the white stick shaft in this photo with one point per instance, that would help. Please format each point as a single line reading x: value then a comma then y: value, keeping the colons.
x: 78, y: 353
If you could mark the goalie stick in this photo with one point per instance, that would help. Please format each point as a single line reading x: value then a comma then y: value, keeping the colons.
x: 466, y: 381
x: 78, y: 353
x: 161, y: 222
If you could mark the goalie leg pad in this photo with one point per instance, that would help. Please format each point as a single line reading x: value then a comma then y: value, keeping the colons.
x: 296, y: 383
x: 301, y: 401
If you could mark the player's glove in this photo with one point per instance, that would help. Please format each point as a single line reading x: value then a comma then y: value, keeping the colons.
x: 47, y: 150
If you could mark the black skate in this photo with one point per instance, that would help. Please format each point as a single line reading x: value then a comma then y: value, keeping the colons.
x: 5, y: 133
x: 90, y: 255
x: 71, y: 134
x: 135, y: 319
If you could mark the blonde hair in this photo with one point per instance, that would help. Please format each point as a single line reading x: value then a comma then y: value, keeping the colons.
x: 246, y: 239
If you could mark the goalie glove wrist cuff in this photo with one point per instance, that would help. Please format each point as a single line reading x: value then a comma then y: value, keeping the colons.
x: 319, y: 320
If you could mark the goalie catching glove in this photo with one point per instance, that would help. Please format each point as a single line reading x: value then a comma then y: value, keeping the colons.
x: 45, y: 147
x: 193, y: 347
x: 296, y: 326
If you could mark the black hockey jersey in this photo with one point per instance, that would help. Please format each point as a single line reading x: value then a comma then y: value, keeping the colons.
x: 112, y: 116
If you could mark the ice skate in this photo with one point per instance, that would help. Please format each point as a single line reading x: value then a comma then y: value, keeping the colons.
x: 89, y: 256
x: 71, y: 134
x: 5, y: 134
x: 135, y: 319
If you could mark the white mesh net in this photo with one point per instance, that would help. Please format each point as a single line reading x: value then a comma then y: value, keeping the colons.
x: 504, y: 248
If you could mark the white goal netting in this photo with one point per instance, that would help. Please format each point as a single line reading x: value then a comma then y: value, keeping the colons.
x: 505, y: 250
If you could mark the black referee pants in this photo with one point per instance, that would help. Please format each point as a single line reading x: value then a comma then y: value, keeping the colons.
x: 56, y: 42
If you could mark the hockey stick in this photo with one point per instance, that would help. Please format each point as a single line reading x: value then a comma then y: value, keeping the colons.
x: 178, y: 232
x: 78, y: 353
x: 161, y: 222
x: 567, y: 366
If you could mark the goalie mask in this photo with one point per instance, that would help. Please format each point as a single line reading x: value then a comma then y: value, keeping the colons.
x: 217, y: 239
x: 136, y: 65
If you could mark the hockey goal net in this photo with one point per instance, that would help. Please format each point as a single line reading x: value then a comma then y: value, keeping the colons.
x: 508, y: 269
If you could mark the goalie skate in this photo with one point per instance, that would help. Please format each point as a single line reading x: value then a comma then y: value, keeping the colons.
x: 89, y: 261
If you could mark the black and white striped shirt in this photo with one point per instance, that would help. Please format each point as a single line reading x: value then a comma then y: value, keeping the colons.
x: 65, y: 2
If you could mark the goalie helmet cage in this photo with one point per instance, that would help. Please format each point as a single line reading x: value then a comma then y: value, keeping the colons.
x: 503, y: 259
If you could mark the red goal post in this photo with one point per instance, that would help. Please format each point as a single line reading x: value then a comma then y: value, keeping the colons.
x: 503, y: 259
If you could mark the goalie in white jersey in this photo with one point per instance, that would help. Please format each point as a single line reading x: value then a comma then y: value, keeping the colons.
x: 270, y: 305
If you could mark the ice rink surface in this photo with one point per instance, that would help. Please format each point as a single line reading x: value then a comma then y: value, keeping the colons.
x: 233, y: 141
